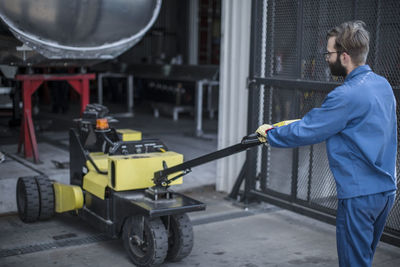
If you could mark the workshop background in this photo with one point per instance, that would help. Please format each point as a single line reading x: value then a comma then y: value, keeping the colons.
x: 198, y: 74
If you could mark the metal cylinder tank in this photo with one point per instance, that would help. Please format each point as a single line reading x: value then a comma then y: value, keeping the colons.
x: 79, y: 29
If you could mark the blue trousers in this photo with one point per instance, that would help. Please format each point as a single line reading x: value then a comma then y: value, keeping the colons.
x: 359, y: 225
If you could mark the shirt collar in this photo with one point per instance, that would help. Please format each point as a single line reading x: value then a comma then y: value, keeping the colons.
x: 358, y: 70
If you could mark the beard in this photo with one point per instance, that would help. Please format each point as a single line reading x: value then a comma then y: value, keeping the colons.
x: 337, y: 69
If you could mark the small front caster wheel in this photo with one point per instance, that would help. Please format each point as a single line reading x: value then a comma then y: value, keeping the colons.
x: 145, y: 240
x: 180, y: 236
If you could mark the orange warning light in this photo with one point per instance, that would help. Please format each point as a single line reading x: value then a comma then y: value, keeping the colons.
x: 102, y: 124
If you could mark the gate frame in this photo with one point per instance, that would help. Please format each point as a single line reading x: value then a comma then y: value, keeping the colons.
x: 249, y: 172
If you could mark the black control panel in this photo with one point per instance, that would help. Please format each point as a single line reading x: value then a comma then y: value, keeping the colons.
x: 137, y: 147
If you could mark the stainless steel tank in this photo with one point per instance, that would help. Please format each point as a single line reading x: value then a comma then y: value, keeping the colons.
x: 79, y: 29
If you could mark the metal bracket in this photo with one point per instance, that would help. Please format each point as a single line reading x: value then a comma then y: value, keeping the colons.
x: 158, y: 193
x: 250, y: 82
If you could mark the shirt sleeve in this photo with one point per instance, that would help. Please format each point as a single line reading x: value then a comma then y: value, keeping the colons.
x: 317, y: 125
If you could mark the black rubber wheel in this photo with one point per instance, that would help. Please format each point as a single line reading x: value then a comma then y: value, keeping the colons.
x: 46, y: 197
x: 180, y: 236
x: 28, y: 199
x: 145, y: 240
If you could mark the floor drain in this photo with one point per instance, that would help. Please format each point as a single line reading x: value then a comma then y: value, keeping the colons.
x: 62, y: 241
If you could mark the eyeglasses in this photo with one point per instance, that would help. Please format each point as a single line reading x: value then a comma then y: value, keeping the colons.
x: 327, y: 54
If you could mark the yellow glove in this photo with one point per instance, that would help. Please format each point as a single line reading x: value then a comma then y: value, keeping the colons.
x: 263, y: 129
x: 283, y: 123
x: 262, y: 132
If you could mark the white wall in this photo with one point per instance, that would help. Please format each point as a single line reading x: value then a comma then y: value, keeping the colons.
x: 234, y: 69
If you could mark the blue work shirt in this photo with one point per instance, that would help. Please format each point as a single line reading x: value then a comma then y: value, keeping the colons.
x: 358, y: 122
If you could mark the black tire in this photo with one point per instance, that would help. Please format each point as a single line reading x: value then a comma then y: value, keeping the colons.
x: 27, y: 199
x: 46, y: 197
x: 180, y: 237
x: 150, y: 250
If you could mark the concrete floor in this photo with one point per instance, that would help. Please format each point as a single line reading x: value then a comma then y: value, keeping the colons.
x: 226, y: 234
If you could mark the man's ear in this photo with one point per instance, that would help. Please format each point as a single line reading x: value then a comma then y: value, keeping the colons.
x: 345, y: 58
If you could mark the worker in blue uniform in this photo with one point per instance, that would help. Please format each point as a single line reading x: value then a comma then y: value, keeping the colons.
x: 358, y: 122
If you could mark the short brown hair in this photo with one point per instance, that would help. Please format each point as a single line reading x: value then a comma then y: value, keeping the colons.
x: 352, y: 38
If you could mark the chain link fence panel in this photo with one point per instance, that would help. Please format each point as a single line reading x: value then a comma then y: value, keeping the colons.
x: 293, y: 77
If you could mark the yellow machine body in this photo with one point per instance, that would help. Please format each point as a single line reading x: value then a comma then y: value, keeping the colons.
x: 137, y: 171
x: 127, y: 172
x: 67, y: 197
x: 129, y: 135
x: 93, y: 181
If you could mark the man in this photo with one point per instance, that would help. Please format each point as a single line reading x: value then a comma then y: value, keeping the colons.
x: 358, y: 122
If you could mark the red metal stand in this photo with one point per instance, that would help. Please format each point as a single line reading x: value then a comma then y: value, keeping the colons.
x: 30, y: 83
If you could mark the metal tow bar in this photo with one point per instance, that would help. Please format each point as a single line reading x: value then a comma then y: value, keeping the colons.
x: 161, y: 177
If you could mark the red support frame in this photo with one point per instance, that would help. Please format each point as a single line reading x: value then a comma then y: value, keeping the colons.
x: 30, y: 83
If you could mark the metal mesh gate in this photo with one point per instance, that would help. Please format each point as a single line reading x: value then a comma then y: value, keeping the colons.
x: 289, y: 77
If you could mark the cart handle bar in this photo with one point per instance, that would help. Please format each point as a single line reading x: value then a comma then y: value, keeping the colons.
x: 161, y: 177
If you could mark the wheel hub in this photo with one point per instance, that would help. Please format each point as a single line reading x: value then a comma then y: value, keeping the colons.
x: 136, y: 240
